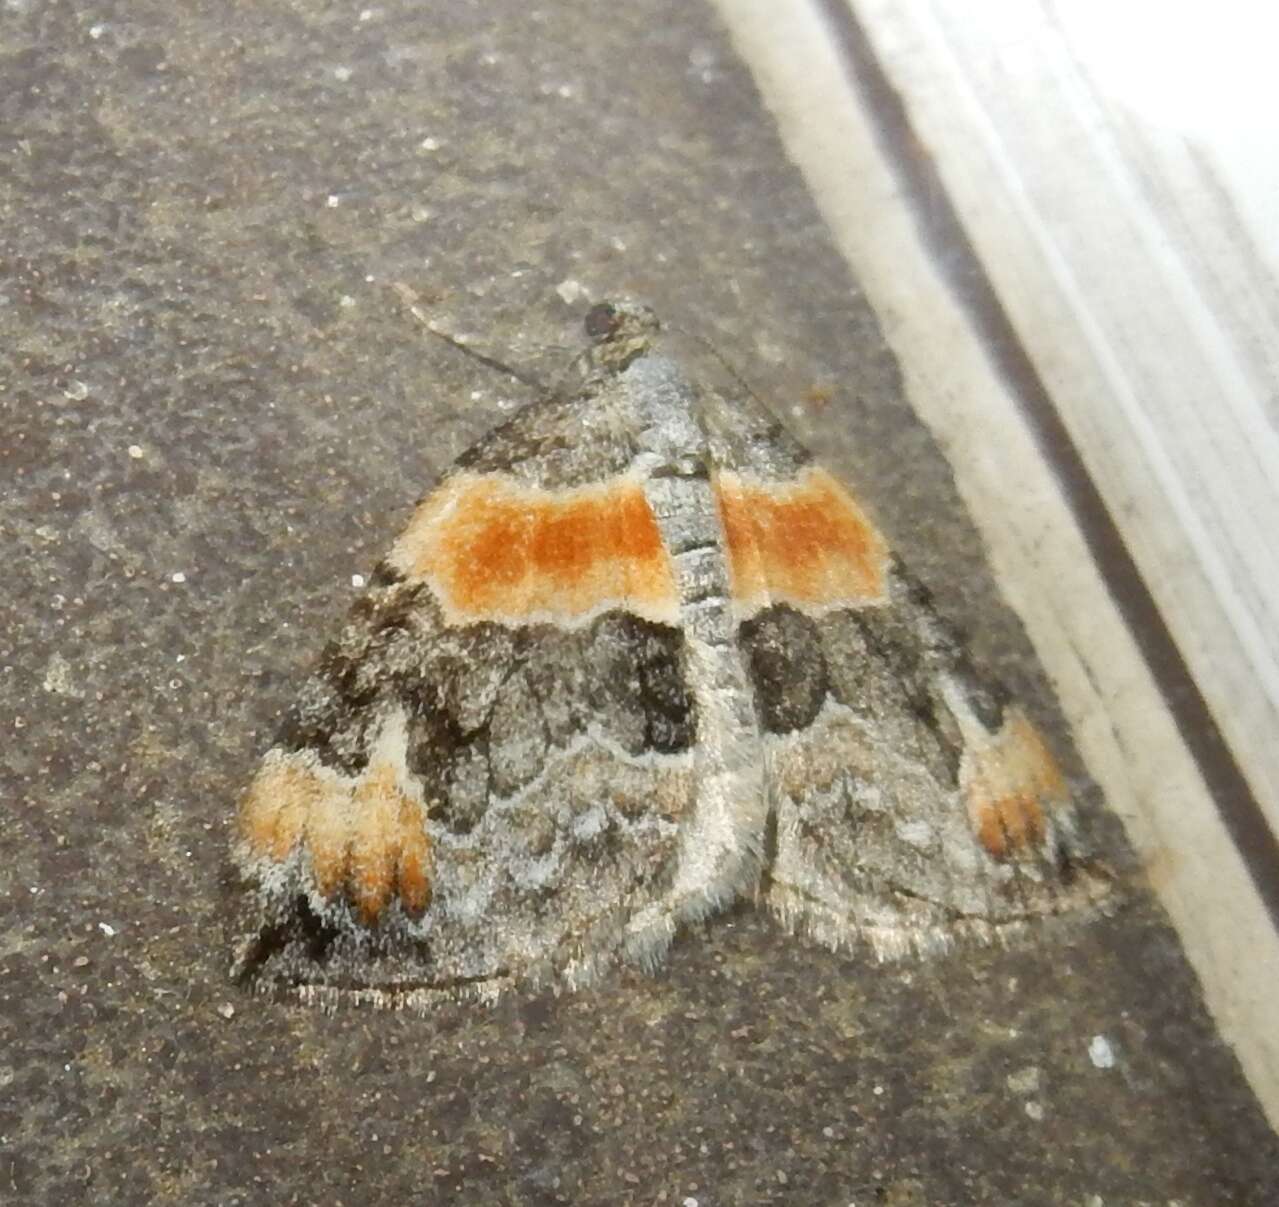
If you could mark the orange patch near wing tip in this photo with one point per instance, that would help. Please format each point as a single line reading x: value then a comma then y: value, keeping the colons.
x: 494, y: 548
x: 273, y: 811
x: 390, y: 850
x: 365, y: 838
x: 804, y: 541
x: 372, y: 841
x: 1012, y: 782
x: 414, y: 882
x: 1012, y: 823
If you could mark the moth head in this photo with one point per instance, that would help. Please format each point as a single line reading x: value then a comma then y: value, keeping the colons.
x: 620, y: 331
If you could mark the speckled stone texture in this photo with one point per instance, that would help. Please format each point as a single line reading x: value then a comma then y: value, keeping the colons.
x: 214, y: 411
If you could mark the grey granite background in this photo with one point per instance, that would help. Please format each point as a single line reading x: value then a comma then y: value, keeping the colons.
x: 214, y: 411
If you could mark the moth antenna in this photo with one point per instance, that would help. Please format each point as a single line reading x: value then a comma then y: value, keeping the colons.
x: 728, y: 366
x: 411, y: 298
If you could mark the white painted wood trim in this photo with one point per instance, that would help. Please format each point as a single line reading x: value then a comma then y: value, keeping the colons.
x: 1152, y: 375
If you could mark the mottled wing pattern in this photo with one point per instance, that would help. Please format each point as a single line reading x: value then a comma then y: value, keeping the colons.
x: 486, y: 773
x: 634, y: 658
x: 911, y: 802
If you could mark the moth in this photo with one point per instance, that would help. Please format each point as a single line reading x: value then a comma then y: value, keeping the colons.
x: 635, y: 658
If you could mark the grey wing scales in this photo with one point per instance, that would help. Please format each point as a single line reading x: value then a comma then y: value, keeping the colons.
x: 911, y: 803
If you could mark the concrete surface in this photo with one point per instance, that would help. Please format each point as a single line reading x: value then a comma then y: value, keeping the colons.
x: 214, y: 411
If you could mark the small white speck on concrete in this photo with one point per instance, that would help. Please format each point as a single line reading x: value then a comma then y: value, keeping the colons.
x: 1035, y: 1111
x: 1023, y: 1081
x: 96, y: 31
x: 1101, y: 1053
x: 333, y: 201
x: 366, y: 14
x: 357, y: 581
x: 177, y: 577
x: 107, y: 929
x: 571, y: 291
x: 342, y: 74
x: 346, y: 301
x: 58, y: 679
x: 419, y: 213
x: 430, y: 144
x: 135, y: 451
x: 878, y: 1091
x: 76, y: 391
x: 226, y: 1010
x: 689, y: 1202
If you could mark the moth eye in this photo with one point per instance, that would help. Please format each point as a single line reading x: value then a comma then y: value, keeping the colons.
x: 601, y: 320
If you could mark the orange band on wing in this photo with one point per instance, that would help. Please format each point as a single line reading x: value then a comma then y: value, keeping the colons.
x: 801, y: 542
x: 493, y: 549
